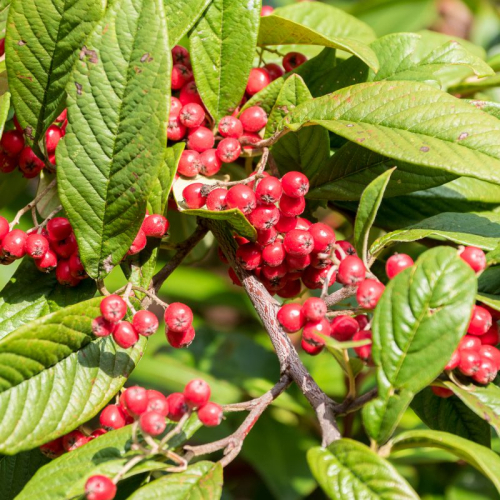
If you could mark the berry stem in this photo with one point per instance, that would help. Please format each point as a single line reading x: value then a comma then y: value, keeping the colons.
x: 49, y: 217
x: 128, y: 466
x: 351, y: 394
x: 340, y: 295
x: 176, y: 430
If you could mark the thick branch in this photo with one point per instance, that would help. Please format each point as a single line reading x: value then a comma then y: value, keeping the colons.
x: 290, y: 363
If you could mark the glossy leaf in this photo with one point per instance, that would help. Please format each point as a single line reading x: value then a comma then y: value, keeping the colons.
x: 348, y: 469
x: 483, y: 459
x: 44, y: 40
x: 367, y: 211
x: 182, y: 16
x: 411, y: 122
x: 227, y: 28
x: 202, y: 480
x: 451, y: 415
x: 106, y: 166
x: 31, y: 294
x: 419, y: 320
x: 54, y: 376
x: 489, y: 287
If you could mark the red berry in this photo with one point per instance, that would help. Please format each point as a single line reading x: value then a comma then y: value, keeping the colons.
x: 192, y: 115
x: 175, y: 108
x: 175, y: 129
x: 286, y: 223
x: 59, y: 228
x: 264, y: 217
x: 486, y: 372
x: 101, y: 327
x: 364, y: 351
x: 216, y: 200
x: 63, y: 274
x: 29, y: 163
x: 368, y: 293
x: 197, y: 393
x: 48, y: 262
x: 234, y: 278
x: 155, y: 226
x: 259, y: 79
x: 274, y: 254
x: 152, y: 423
x: 177, y: 405
x: 230, y: 126
x: 344, y: 328
x: 157, y: 402
x: 311, y: 349
x: 291, y: 207
x: 442, y: 392
x: 210, y: 414
x: 295, y: 184
x: 480, y: 321
x: 65, y: 248
x: 266, y: 10
x: 7, y: 163
x: 136, y: 400
x: 454, y: 361
x: 178, y: 317
x: 249, y: 256
x: 347, y: 249
x: 100, y: 488
x: 13, y: 244
x: 253, y: 119
x: 494, y: 313
x: 470, y: 361
x: 314, y: 279
x: 397, y: 263
x: 12, y: 142
x: 266, y: 236
x: 291, y: 289
x: 52, y: 449
x: 492, y: 336
x: 291, y: 317
x: 320, y: 262
x: 76, y: 268
x: 113, y: 308
x: 242, y: 197
x: 314, y: 309
x: 362, y: 320
x: 200, y: 139
x: 189, y: 93
x: 297, y: 262
x: 275, y: 70
x: 36, y: 245
x: 469, y: 342
x: 210, y: 163
x: 125, y: 335
x: 189, y: 163
x: 228, y: 150
x: 293, y: 60
x: 97, y: 433
x: 145, y: 323
x: 475, y: 257
x: 268, y: 191
x: 303, y: 224
x: 180, y: 55
x: 323, y: 236
x: 192, y: 195
x: 73, y: 440
x: 113, y: 417
x: 313, y: 328
x: 251, y: 138
x: 298, y: 242
x: 52, y: 137
x: 182, y: 339
x: 488, y: 351
x: 351, y: 271
x: 180, y: 76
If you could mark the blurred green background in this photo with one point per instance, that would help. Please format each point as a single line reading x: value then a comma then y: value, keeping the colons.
x: 233, y: 353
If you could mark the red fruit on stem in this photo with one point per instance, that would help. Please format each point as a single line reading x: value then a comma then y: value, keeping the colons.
x: 273, y: 254
x: 65, y: 248
x: 293, y: 60
x: 351, y: 271
x: 250, y: 138
x: 125, y: 335
x: 470, y: 361
x: 14, y: 243
x: 113, y: 417
x: 139, y: 243
x: 12, y: 142
x: 152, y: 423
x: 76, y: 268
x: 4, y: 228
x: 454, y: 361
x: 475, y: 257
x: 73, y: 440
x: 178, y: 340
x: 259, y: 79
x: 101, y: 327
x: 268, y: 191
x: 157, y: 402
x: 480, y: 321
x: 311, y: 349
x: 368, y: 293
x: 397, y: 263
x: 59, y: 228
x: 266, y: 236
x: 216, y: 200
x: 100, y: 488
x: 7, y: 163
x: 155, y: 226
x: 52, y: 137
x: 63, y: 116
x: 298, y: 242
x: 313, y: 328
x: 249, y: 256
x: 344, y: 328
x: 362, y: 320
x: 145, y: 323
x: 295, y: 184
x: 178, y: 317
x: 264, y: 217
x: 230, y: 126
x: 136, y: 400
x: 63, y: 274
x: 469, y: 342
x: 210, y: 414
x: 488, y: 351
x: 228, y: 150
x: 291, y: 207
x: 36, y: 245
x: 192, y: 195
x: 492, y: 336
x: 291, y: 317
x: 180, y: 76
x: 210, y: 163
x: 29, y: 163
x: 364, y: 351
x: 242, y: 197
x: 291, y: 289
x: 52, y: 449
x: 274, y: 273
x: 286, y: 224
x: 48, y: 262
x: 192, y: 115
x: 314, y: 309
x: 486, y: 372
x: 275, y: 70
x: 175, y: 129
x: 175, y: 108
x: 442, y: 392
x: 177, y: 405
x: 180, y: 55
x: 266, y: 10
x: 189, y: 163
x: 323, y: 236
x: 347, y: 249
x: 189, y: 93
x: 197, y: 393
x: 113, y: 308
x: 253, y: 119
x: 200, y: 139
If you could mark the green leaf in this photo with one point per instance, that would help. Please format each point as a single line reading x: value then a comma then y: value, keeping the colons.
x: 234, y: 217
x: 471, y: 87
x: 489, y: 287
x: 492, y: 108
x: 348, y: 469
x: 226, y: 28
x: 306, y: 150
x: 419, y: 320
x: 367, y: 211
x: 54, y: 376
x: 17, y: 470
x: 4, y: 110
x: 43, y: 42
x: 182, y: 16
x: 116, y: 136
x: 451, y: 415
x: 411, y: 122
x: 484, y: 401
x: 493, y: 257
x: 324, y: 26
x: 31, y: 294
x: 481, y: 230
x: 483, y: 459
x: 202, y: 480
x: 50, y: 201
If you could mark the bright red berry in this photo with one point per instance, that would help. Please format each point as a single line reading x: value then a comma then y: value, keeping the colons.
x: 264, y: 217
x: 101, y: 327
x: 136, y: 400
x: 470, y: 361
x: 266, y: 236
x: 178, y: 317
x: 286, y: 223
x: 4, y: 228
x: 200, y: 139
x: 242, y: 197
x: 362, y: 320
x: 65, y: 248
x: 189, y: 163
x: 442, y: 392
x: 157, y: 402
x: 152, y: 423
x: 197, y: 393
x: 311, y: 349
x: 344, y: 327
x: 180, y: 76
x: 314, y: 279
x: 249, y: 256
x: 76, y: 267
x: 253, y: 119
x: 488, y: 351
x: 249, y: 139
x: 177, y: 405
x: 323, y: 236
x: 368, y: 293
x: 210, y: 163
x: 351, y: 271
x: 100, y: 488
x: 486, y: 372
x: 52, y: 137
x: 344, y: 249
x: 297, y: 262
x: 259, y: 79
x: 59, y: 228
x: 295, y: 184
x: 492, y: 336
x: 145, y: 323
x: 48, y: 262
x: 274, y: 254
x: 29, y: 163
x: 73, y: 440
x: 175, y: 129
x: 275, y: 70
x: 216, y: 200
x: 13, y: 244
x: 291, y: 289
x: 113, y: 308
x: 12, y: 142
x: 52, y: 449
x: 312, y: 329
x: 314, y: 309
x: 298, y: 242
x: 189, y: 93
x: 291, y: 317
x: 454, y: 360
x: 182, y: 339
x: 113, y: 417
x: 228, y: 150
x: 268, y: 190
x: 480, y: 321
x: 192, y: 115
x: 125, y: 335
x: 230, y: 126
x: 397, y: 263
x: 155, y: 226
x: 475, y: 257
x: 97, y: 433
x: 266, y: 10
x: 210, y: 414
x: 291, y: 207
x: 180, y: 55
x: 192, y: 195
x: 364, y: 351
x: 469, y: 342
x: 175, y: 108
x: 36, y: 245
x: 293, y: 60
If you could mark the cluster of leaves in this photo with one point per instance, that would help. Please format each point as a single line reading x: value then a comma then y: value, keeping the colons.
x: 375, y: 124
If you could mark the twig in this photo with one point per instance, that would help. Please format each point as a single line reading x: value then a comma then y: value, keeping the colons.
x: 340, y: 295
x: 129, y: 465
x: 101, y: 287
x: 349, y: 406
x: 151, y: 295
x: 265, y: 143
x: 33, y: 216
x: 326, y: 283
x: 175, y: 430
x: 49, y: 217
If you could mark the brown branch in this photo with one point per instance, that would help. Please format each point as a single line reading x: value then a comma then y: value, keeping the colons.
x: 352, y: 405
x: 340, y: 295
x: 265, y: 143
x: 290, y: 363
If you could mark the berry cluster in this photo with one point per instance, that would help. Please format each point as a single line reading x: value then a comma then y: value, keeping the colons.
x: 153, y: 226
x: 14, y: 153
